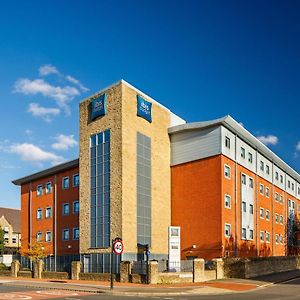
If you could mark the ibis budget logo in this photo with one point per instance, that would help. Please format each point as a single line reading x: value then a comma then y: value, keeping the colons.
x: 98, y: 107
x: 144, y: 109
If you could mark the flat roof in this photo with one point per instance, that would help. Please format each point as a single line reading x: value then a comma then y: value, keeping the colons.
x: 244, y: 134
x: 47, y: 172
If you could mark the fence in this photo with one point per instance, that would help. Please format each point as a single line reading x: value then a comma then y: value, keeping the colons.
x: 166, y: 266
x: 139, y: 267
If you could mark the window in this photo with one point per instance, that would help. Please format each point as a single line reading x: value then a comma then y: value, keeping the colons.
x: 250, y: 157
x: 244, y: 233
x: 76, y: 233
x: 281, y: 219
x: 298, y: 190
x: 293, y: 186
x: 261, y: 213
x: 66, y: 234
x: 227, y: 142
x: 262, y: 165
x: 262, y: 236
x: 244, y: 206
x: 276, y: 197
x: 227, y: 171
x: 65, y: 183
x: 267, y: 237
x: 277, y: 238
x: 48, y: 212
x: 289, y: 184
x: 281, y: 178
x: 76, y: 207
x: 39, y: 236
x: 39, y: 214
x: 251, y: 209
x: 48, y: 188
x: 281, y: 239
x: 227, y: 201
x: 76, y: 180
x: 6, y: 240
x: 227, y: 230
x: 290, y: 203
x: 39, y: 190
x: 243, y: 154
x: 276, y: 218
x: 281, y: 199
x: 251, y: 234
x: 6, y: 229
x: 48, y: 236
x: 66, y: 209
x: 276, y: 175
x: 267, y: 192
x: 243, y: 179
x: 261, y: 189
x: 14, y: 240
x: 251, y: 182
x: 267, y: 215
x: 268, y: 169
x: 293, y: 205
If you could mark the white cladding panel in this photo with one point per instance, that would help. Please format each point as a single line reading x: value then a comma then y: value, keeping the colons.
x: 228, y: 151
x: 278, y: 177
x: 246, y: 155
x: 193, y: 145
x: 264, y: 167
x: 290, y: 185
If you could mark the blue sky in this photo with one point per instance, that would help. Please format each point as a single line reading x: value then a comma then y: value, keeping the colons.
x: 202, y: 59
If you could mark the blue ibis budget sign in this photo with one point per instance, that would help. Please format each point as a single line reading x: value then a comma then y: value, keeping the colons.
x: 144, y: 109
x: 98, y: 107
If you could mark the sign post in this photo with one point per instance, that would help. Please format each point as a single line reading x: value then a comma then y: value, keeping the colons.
x: 116, y: 248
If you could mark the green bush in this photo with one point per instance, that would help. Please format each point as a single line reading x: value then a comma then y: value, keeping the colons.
x: 3, y: 267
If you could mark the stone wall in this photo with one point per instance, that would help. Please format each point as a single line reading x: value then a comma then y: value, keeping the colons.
x: 55, y: 275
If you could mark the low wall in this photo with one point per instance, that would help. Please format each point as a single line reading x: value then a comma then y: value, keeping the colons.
x: 95, y: 276
x: 5, y: 273
x: 257, y: 266
x: 55, y: 275
x: 25, y: 274
x: 168, y: 278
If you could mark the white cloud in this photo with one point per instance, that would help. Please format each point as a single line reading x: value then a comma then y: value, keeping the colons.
x: 48, y: 69
x: 298, y: 146
x: 64, y: 142
x: 62, y: 95
x: 31, y: 153
x: 46, y: 114
x: 268, y: 139
x: 77, y: 82
x: 28, y: 132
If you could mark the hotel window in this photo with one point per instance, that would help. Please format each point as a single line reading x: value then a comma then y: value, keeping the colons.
x: 289, y: 184
x: 289, y: 204
x: 227, y: 230
x: 244, y: 233
x: 65, y: 183
x: 6, y: 240
x: 261, y: 189
x: 268, y: 169
x: 281, y: 219
x: 243, y: 179
x: 251, y: 234
x: 281, y: 199
x: 276, y: 175
x: 76, y: 233
x: 39, y: 214
x: 251, y: 182
x: 227, y: 142
x: 76, y: 207
x: 293, y: 205
x: 243, y: 206
x: 100, y: 189
x: 293, y: 186
x: 261, y: 213
x: 251, y: 209
x: 48, y: 236
x: 250, y: 157
x: 39, y: 236
x: 267, y: 192
x: 298, y: 190
x: 66, y: 234
x: 277, y: 238
x: 281, y: 178
x: 66, y: 209
x: 262, y: 236
x: 143, y: 189
x: 281, y: 239
x: 276, y: 218
x: 39, y: 190
x: 227, y: 201
x: 267, y: 215
x: 76, y: 180
x: 243, y: 152
x: 267, y: 237
x: 262, y: 165
x: 14, y: 240
x: 276, y: 197
x: 48, y: 188
x: 48, y: 213
x: 227, y: 171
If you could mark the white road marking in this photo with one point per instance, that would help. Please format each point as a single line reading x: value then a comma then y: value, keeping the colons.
x: 14, y: 296
x: 57, y: 293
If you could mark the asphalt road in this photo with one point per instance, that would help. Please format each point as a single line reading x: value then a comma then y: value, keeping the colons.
x: 288, y: 290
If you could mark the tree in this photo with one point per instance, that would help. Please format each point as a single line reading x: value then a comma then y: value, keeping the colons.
x: 1, y: 241
x: 35, y: 252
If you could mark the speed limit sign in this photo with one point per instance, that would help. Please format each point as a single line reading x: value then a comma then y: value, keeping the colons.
x: 118, y: 247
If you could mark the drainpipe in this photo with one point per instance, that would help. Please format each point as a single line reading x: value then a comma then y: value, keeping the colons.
x: 236, y: 204
x: 55, y: 222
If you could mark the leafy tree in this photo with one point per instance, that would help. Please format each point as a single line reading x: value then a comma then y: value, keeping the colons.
x: 36, y: 252
x: 2, y: 246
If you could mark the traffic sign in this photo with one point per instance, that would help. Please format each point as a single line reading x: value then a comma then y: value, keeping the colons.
x: 118, y: 247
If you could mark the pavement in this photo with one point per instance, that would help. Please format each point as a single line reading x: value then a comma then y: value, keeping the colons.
x: 215, y: 287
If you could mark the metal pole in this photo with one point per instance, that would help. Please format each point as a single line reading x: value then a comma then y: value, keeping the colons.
x: 111, y: 266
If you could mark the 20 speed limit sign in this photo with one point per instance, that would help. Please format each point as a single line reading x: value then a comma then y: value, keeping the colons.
x: 118, y: 247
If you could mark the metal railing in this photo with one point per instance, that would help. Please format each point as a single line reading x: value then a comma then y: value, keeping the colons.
x: 139, y: 267
x: 175, y: 266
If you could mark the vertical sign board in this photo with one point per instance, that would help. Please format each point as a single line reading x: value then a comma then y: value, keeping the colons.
x: 174, y: 247
x: 98, y: 107
x: 144, y: 109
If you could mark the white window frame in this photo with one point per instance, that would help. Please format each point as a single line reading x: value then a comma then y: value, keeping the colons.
x: 251, y: 238
x: 227, y: 225
x: 277, y: 218
x: 39, y: 236
x: 251, y: 182
x: 229, y: 197
x: 267, y: 192
x: 281, y: 219
x: 226, y: 176
x: 276, y: 196
x: 251, y: 211
x: 261, y: 212
x: 47, y: 208
x: 37, y: 214
x: 276, y: 239
x: 243, y: 179
x: 244, y: 231
x: 46, y: 188
x: 227, y: 142
x: 261, y: 189
x: 243, y: 152
x: 262, y: 236
x: 268, y: 240
x: 250, y: 157
x: 37, y: 190
x: 267, y: 215
x: 46, y: 240
x: 244, y: 207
